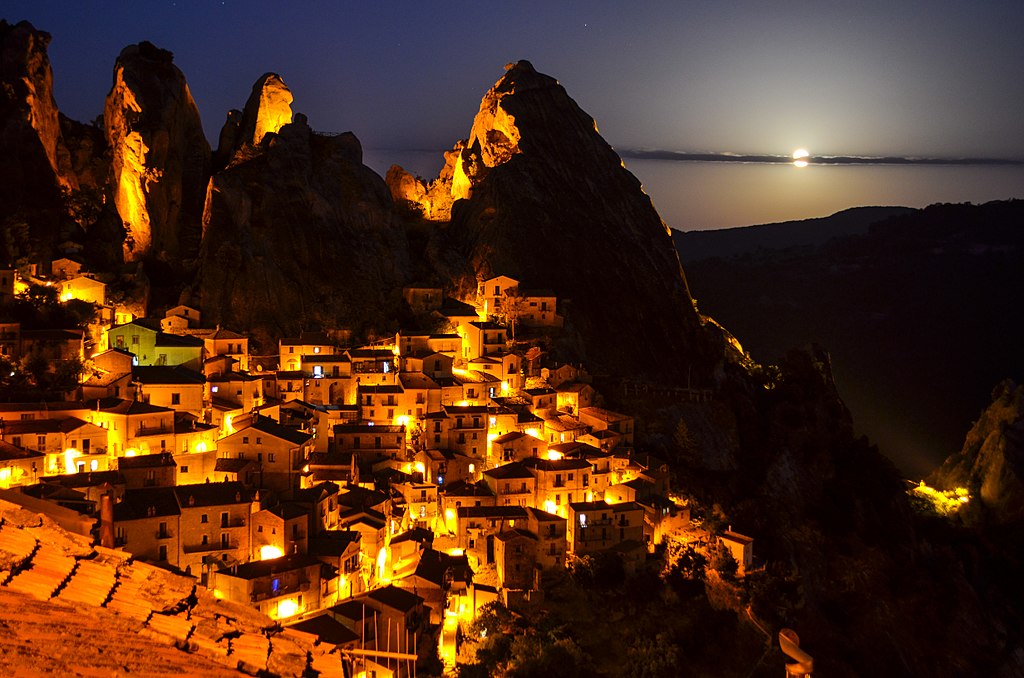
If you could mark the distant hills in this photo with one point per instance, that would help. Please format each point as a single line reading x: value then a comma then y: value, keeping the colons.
x: 918, y: 308
x: 731, y: 242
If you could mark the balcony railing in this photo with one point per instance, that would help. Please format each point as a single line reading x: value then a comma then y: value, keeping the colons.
x: 212, y: 546
x: 282, y: 590
x: 517, y: 490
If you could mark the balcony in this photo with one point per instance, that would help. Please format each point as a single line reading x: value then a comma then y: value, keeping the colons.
x: 144, y: 431
x: 597, y: 522
x: 212, y: 546
x: 232, y: 521
x: 517, y: 490
x: 282, y: 590
x: 163, y: 534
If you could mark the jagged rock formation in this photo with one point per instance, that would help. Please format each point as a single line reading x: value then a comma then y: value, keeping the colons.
x: 297, y: 231
x: 991, y: 463
x: 31, y: 129
x: 35, y: 171
x: 537, y: 194
x: 268, y: 109
x: 87, y: 151
x: 160, y: 157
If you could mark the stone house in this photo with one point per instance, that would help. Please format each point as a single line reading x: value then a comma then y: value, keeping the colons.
x: 280, y: 588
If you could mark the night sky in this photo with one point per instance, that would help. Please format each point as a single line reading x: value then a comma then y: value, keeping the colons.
x: 933, y: 78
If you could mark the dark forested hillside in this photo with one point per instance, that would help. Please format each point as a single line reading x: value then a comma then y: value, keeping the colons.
x: 920, y: 315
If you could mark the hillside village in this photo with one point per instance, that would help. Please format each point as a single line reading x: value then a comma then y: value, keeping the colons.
x: 375, y: 495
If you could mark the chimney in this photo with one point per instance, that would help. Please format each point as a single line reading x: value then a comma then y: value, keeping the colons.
x: 107, y: 520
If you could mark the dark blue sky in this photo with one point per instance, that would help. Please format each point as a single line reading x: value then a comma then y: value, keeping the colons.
x: 933, y: 78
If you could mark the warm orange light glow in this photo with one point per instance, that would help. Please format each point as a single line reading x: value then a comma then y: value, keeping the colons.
x: 8, y: 476
x: 269, y: 552
x: 554, y: 455
x: 201, y: 446
x: 420, y: 468
x: 288, y: 607
x: 456, y: 552
x: 535, y: 432
x: 382, y: 566
x: 944, y: 502
x: 275, y: 108
x: 70, y: 454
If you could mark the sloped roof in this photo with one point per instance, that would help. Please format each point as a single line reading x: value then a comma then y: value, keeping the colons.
x: 395, y: 598
x: 212, y: 494
x: 150, y: 502
x: 515, y: 469
x: 163, y: 374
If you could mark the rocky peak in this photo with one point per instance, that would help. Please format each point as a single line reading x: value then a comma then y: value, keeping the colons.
x: 991, y: 463
x: 35, y: 159
x: 268, y: 109
x: 160, y: 157
x: 537, y: 194
x: 297, y: 232
x: 493, y: 140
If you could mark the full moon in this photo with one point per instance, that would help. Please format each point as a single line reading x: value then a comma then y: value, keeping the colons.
x: 800, y: 156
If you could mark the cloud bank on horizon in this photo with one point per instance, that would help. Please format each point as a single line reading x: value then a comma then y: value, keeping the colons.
x: 686, y: 156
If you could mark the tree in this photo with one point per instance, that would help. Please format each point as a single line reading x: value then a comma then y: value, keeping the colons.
x: 653, y: 657
x: 511, y: 309
x: 724, y: 563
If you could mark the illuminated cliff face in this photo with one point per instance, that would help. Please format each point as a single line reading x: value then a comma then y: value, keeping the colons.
x: 129, y: 166
x: 493, y: 140
x: 27, y: 48
x: 34, y: 161
x: 160, y: 157
x: 272, y: 101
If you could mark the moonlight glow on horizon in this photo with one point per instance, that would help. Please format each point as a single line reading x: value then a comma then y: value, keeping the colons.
x: 800, y: 156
